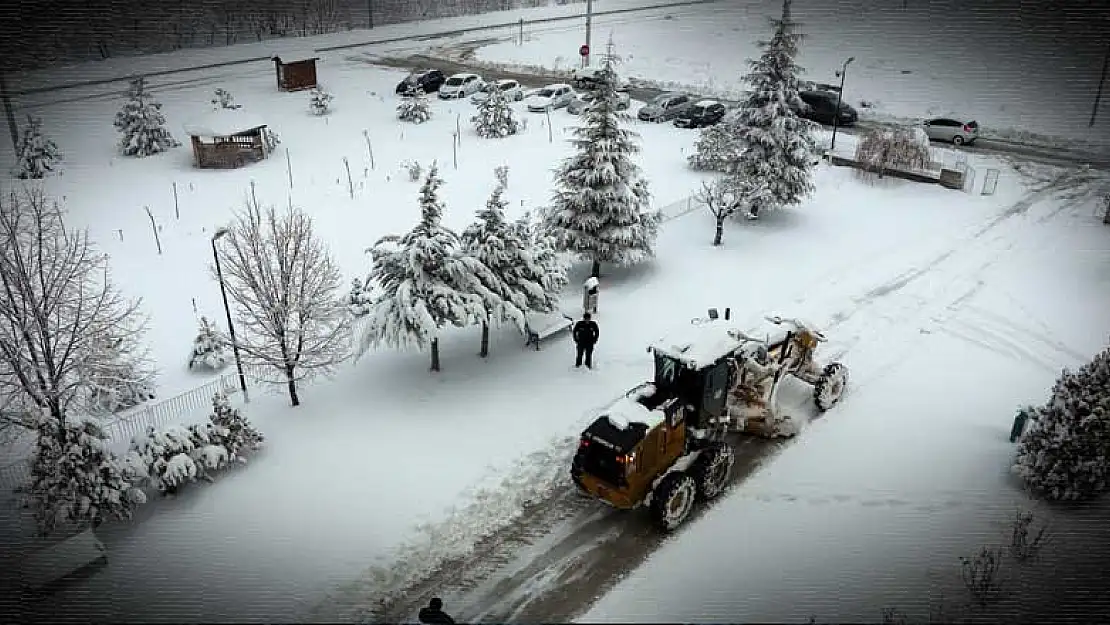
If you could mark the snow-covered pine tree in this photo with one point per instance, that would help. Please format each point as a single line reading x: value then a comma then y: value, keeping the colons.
x: 37, y: 154
x: 717, y: 147
x: 542, y: 264
x: 142, y: 124
x: 424, y: 283
x: 76, y: 479
x: 775, y: 145
x: 232, y: 431
x: 320, y: 103
x: 495, y: 118
x: 122, y: 382
x: 601, y: 209
x: 360, y: 300
x: 209, y: 350
x: 493, y: 244
x: 168, y: 456
x: 222, y: 99
x: 1065, y: 452
x: 414, y: 108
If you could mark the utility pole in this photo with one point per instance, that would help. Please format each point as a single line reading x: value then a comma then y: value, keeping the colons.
x: 227, y: 309
x: 839, y: 98
x: 370, y: 12
x: 1101, y: 82
x: 9, y: 112
x: 589, y: 24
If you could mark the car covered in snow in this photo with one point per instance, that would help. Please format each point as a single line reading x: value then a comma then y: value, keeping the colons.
x: 511, y: 88
x: 550, y: 97
x: 703, y: 113
x: 460, y: 86
x: 428, y: 80
x: 664, y: 106
x: 584, y: 99
x: 588, y: 77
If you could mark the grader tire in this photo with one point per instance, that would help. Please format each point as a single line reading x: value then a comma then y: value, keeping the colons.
x: 830, y: 386
x: 673, y: 500
x: 712, y: 470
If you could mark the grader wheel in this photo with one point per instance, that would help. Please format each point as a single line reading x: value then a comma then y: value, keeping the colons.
x: 712, y: 469
x: 830, y: 386
x: 673, y: 500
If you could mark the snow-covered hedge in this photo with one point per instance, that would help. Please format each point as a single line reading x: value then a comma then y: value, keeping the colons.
x: 1065, y: 453
x: 414, y: 109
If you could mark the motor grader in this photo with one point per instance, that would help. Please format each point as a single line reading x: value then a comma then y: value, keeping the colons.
x: 663, y: 445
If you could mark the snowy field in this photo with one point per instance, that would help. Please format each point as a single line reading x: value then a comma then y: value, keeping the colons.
x: 1017, y: 70
x: 908, y: 278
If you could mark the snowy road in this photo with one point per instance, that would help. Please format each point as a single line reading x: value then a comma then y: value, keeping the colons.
x: 554, y: 561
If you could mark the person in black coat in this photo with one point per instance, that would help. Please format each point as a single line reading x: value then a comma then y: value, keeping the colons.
x: 586, y: 333
x: 434, y: 614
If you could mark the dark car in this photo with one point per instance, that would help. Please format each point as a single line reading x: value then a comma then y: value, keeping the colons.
x: 703, y: 113
x: 820, y: 107
x: 428, y: 80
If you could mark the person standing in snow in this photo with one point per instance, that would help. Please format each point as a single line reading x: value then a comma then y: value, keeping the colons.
x: 586, y: 333
x: 433, y: 614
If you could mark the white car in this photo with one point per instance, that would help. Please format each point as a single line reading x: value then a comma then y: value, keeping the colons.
x: 511, y: 88
x: 461, y: 86
x: 585, y: 100
x: 550, y: 97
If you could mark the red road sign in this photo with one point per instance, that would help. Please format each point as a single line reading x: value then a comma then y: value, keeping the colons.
x: 584, y: 50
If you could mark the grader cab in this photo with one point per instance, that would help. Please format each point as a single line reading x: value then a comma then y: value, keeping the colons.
x: 664, y: 444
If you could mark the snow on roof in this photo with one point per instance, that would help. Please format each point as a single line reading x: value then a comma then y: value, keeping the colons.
x: 223, y: 123
x: 700, y: 345
x: 705, y: 103
x: 293, y: 53
x: 627, y: 410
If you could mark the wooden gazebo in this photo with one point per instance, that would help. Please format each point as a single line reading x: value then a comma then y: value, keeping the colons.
x: 227, y: 138
x: 295, y: 69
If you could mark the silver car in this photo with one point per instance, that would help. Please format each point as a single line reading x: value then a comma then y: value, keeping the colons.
x: 550, y: 97
x: 461, y: 86
x: 510, y: 88
x: 585, y: 99
x: 664, y: 107
x: 951, y: 130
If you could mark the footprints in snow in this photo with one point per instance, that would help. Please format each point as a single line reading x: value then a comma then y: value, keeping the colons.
x: 949, y: 502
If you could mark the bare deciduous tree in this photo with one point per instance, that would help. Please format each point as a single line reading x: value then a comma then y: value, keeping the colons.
x: 731, y: 195
x: 884, y: 149
x: 288, y: 293
x: 58, y: 312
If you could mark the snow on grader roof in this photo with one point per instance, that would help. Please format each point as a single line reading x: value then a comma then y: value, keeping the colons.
x: 703, y: 343
x: 223, y: 123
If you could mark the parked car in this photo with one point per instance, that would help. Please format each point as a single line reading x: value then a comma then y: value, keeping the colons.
x: 819, y: 106
x: 664, y: 107
x: 511, y: 88
x: 550, y: 97
x: 460, y: 86
x: 951, y: 130
x: 588, y: 77
x: 427, y: 79
x: 703, y: 113
x: 583, y: 99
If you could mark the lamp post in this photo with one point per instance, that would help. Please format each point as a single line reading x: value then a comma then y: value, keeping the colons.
x: 839, y: 97
x: 227, y: 309
x: 589, y: 24
x: 1101, y: 81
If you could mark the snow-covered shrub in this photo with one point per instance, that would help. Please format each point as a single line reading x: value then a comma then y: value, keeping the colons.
x: 37, y: 154
x: 1065, y: 453
x: 495, y: 118
x: 414, y: 109
x: 208, y: 454
x: 884, y: 149
x: 168, y: 456
x: 222, y: 99
x: 320, y: 102
x: 76, y: 478
x: 359, y: 300
x: 231, y: 430
x: 270, y: 139
x: 142, y: 124
x: 209, y: 350
x: 502, y: 174
x: 413, y: 169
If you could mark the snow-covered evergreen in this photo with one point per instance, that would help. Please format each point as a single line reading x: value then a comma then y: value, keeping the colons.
x: 121, y: 382
x: 425, y: 285
x: 541, y: 264
x: 38, y: 155
x: 76, y: 479
x: 231, y: 430
x: 495, y: 118
x: 209, y: 349
x: 774, y: 144
x: 168, y: 455
x: 222, y: 99
x: 601, y: 209
x: 1065, y: 452
x: 320, y: 102
x: 142, y: 124
x: 360, y: 300
x: 717, y: 147
x: 414, y: 108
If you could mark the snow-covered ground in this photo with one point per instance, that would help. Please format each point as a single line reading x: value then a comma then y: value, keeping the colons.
x: 346, y: 478
x: 1017, y: 71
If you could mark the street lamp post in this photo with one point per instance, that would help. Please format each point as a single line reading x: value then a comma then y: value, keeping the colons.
x: 839, y: 97
x: 1101, y: 81
x: 227, y: 309
x: 589, y: 24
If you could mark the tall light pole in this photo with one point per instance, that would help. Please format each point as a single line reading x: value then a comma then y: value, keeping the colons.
x: 589, y: 24
x: 1101, y: 81
x: 227, y: 309
x: 839, y: 97
x: 370, y: 12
